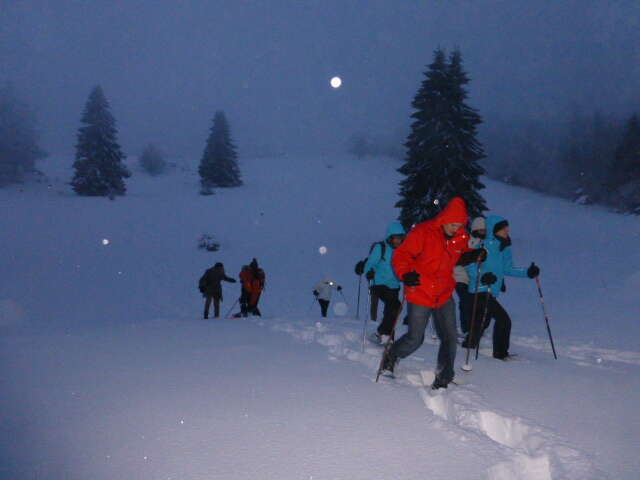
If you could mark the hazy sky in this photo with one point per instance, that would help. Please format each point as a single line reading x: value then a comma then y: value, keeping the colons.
x: 166, y: 66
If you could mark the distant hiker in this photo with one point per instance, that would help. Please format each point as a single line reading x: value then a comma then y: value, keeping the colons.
x: 465, y: 299
x: 211, y: 288
x: 498, y: 263
x: 425, y: 263
x: 253, y: 280
x: 322, y: 292
x: 384, y: 283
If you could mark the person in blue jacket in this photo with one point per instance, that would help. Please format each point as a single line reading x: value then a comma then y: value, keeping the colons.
x: 499, y: 263
x: 384, y: 283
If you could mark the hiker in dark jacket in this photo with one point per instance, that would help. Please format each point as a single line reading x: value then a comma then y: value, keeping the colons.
x: 211, y: 288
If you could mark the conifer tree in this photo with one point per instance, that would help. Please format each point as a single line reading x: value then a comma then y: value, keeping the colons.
x: 99, y: 167
x: 442, y: 149
x: 218, y: 166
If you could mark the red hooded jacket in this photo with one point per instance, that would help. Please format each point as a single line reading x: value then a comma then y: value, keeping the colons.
x: 429, y: 252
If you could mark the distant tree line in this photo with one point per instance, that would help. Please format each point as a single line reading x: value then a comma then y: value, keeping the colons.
x: 589, y: 159
x: 99, y: 167
x: 19, y: 148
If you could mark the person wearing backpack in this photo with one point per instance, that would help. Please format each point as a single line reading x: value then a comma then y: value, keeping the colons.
x: 252, y: 280
x: 211, y: 288
x: 384, y: 283
x: 322, y: 291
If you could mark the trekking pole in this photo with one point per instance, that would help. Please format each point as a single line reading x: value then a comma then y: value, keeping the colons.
x: 231, y: 309
x: 546, y: 318
x: 311, y: 306
x: 364, y: 322
x: 484, y: 319
x: 358, y: 306
x: 467, y: 366
x: 391, y: 339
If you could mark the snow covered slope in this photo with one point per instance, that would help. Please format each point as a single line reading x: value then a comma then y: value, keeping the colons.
x: 107, y: 370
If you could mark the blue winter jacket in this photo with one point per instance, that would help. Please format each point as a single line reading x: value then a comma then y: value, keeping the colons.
x: 382, y: 266
x: 500, y: 263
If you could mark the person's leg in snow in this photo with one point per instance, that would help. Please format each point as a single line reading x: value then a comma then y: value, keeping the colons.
x: 324, y: 306
x: 501, y: 329
x: 418, y: 318
x: 207, y: 305
x: 389, y: 297
x: 445, y: 325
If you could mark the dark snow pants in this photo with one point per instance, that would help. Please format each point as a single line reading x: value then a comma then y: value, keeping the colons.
x: 216, y: 306
x: 324, y: 306
x: 389, y: 297
x: 465, y: 305
x: 501, y: 327
x: 244, y: 302
x: 373, y: 304
x: 445, y: 324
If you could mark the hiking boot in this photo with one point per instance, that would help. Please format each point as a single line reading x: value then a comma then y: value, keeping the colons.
x: 389, y: 363
x: 437, y: 383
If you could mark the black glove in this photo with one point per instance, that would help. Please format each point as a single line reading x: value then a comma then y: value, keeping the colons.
x: 201, y: 289
x: 478, y: 255
x: 315, y: 292
x: 339, y: 288
x: 488, y: 278
x: 232, y: 280
x: 370, y: 274
x: 411, y: 279
x: 533, y: 271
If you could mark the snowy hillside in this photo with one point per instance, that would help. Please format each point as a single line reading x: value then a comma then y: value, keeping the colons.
x: 108, y: 371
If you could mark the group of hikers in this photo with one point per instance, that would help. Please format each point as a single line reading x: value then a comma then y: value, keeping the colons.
x: 252, y: 281
x: 436, y: 258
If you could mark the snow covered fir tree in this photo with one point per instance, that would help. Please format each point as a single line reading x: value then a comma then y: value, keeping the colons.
x: 442, y: 150
x: 99, y: 167
x: 19, y: 149
x: 218, y: 166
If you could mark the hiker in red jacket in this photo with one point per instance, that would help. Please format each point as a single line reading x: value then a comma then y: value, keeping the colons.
x: 424, y: 262
x: 252, y: 278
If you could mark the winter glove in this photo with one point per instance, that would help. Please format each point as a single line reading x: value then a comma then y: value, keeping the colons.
x: 370, y: 274
x: 339, y: 288
x: 316, y: 293
x: 488, y: 278
x: 411, y: 279
x: 533, y: 271
x: 201, y: 289
x: 479, y: 255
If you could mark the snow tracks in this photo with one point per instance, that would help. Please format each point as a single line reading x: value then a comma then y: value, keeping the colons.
x: 527, y: 451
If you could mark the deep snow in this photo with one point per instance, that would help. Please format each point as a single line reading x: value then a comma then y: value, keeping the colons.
x: 107, y: 370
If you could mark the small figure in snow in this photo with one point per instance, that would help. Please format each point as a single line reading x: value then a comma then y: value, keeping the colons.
x: 211, y: 288
x: 498, y: 263
x: 465, y: 299
x: 253, y: 281
x: 322, y: 292
x: 425, y: 263
x: 384, y: 283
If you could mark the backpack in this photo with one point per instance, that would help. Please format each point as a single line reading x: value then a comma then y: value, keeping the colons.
x: 359, y: 268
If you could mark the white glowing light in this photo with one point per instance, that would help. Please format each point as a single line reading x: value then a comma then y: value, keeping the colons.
x: 323, y: 250
x: 340, y: 309
x: 105, y: 241
x: 436, y: 201
x: 336, y: 82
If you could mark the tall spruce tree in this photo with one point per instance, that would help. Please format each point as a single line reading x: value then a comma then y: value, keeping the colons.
x: 442, y: 149
x: 218, y: 166
x: 99, y: 167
